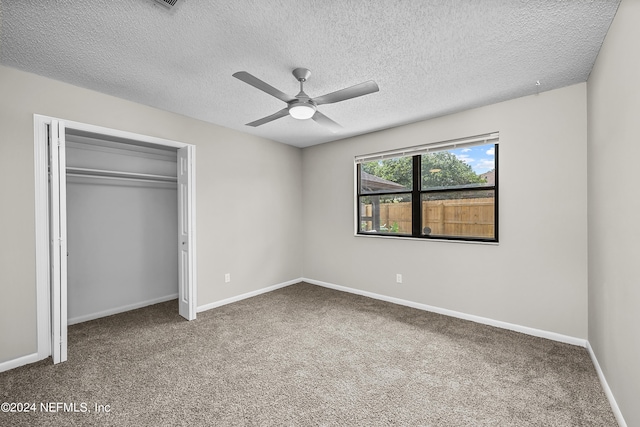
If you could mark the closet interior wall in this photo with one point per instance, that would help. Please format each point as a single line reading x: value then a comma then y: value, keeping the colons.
x: 122, y: 232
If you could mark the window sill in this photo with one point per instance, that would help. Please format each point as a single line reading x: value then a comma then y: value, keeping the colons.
x: 381, y: 236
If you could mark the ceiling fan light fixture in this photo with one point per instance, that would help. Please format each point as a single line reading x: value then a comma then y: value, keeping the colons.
x: 302, y: 110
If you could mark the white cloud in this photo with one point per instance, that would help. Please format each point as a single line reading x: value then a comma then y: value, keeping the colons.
x: 466, y: 150
x: 485, y: 164
x: 465, y: 158
x: 491, y: 151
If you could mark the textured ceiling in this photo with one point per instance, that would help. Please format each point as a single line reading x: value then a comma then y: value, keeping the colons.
x: 429, y: 57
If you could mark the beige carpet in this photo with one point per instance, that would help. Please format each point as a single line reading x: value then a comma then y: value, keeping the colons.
x: 308, y: 356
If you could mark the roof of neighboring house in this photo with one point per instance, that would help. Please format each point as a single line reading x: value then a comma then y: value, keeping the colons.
x: 375, y: 183
x: 490, y: 176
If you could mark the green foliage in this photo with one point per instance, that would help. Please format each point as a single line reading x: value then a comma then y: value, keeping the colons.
x: 444, y: 169
x: 441, y: 169
x: 397, y: 170
x: 395, y: 228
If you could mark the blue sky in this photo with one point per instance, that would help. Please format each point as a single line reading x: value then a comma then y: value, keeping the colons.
x: 481, y: 157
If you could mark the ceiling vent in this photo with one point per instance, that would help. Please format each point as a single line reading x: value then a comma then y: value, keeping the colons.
x: 167, y: 3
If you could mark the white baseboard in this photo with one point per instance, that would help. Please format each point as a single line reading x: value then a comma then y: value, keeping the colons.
x: 226, y: 301
x: 122, y: 309
x: 20, y: 361
x: 607, y: 390
x: 478, y: 319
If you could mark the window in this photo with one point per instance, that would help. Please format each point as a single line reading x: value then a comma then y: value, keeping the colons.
x: 447, y: 190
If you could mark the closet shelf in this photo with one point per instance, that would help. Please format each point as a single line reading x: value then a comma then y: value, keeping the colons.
x: 100, y: 173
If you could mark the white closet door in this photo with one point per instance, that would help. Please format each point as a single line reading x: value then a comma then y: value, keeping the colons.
x: 58, y: 233
x: 186, y: 228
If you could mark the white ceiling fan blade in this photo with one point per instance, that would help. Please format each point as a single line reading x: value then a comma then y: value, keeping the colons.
x: 348, y: 93
x: 265, y: 87
x: 274, y: 116
x: 326, y: 121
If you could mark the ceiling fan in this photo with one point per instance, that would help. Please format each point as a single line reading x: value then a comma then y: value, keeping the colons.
x: 302, y: 106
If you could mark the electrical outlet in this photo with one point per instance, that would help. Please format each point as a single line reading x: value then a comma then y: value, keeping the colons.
x: 398, y: 278
x: 227, y: 277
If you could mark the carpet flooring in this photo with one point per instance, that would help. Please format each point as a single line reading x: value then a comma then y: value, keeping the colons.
x: 306, y: 356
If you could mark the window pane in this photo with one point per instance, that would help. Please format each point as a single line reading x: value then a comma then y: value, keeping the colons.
x: 386, y: 175
x: 386, y: 213
x: 461, y: 167
x: 459, y: 214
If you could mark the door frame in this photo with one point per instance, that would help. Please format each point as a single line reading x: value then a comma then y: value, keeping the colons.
x: 44, y: 301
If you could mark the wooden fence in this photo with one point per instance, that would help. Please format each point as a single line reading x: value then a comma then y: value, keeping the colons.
x: 456, y: 217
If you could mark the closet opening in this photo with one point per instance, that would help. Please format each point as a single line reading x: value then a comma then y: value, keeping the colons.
x: 122, y: 225
x: 115, y: 226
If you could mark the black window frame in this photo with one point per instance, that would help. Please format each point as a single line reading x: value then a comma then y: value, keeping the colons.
x: 416, y: 201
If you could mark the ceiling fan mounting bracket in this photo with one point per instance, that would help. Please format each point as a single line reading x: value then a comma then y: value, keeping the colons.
x: 301, y: 74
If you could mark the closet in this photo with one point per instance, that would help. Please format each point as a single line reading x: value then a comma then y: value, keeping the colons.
x: 122, y: 225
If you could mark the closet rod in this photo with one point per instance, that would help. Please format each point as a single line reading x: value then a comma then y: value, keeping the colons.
x: 100, y: 173
x: 117, y: 178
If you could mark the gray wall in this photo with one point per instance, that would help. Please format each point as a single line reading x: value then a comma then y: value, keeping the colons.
x: 248, y: 197
x: 535, y: 277
x: 122, y: 235
x: 614, y: 235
